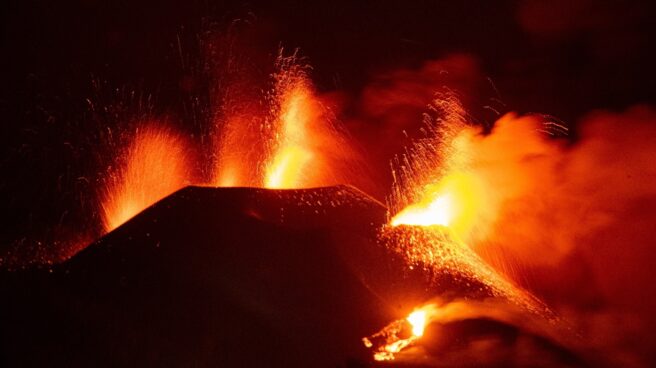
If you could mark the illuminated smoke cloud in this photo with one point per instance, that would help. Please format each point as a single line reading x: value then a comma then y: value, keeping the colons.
x: 571, y: 221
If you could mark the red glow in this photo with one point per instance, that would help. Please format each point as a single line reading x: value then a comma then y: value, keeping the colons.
x: 154, y: 165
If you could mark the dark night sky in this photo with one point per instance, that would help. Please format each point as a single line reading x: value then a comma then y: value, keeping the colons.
x: 563, y: 57
x: 560, y: 57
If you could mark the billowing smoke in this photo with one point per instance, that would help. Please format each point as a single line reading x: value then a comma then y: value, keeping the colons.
x: 566, y: 214
x: 574, y: 221
x: 388, y: 113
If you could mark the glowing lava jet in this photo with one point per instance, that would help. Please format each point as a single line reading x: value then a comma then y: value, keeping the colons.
x: 294, y: 146
x: 441, y: 206
x: 452, y: 203
x: 292, y: 153
x: 155, y: 164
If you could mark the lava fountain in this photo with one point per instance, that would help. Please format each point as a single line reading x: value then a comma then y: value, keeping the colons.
x: 292, y: 152
x: 154, y: 164
x: 449, y: 206
x: 296, y: 144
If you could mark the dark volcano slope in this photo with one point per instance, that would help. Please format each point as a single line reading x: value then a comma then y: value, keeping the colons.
x: 228, y: 277
x: 206, y: 277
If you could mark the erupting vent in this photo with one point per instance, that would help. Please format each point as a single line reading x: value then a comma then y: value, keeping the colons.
x: 242, y: 225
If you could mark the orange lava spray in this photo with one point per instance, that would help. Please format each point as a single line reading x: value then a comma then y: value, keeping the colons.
x: 295, y: 118
x: 153, y: 165
x: 442, y: 204
x: 295, y: 143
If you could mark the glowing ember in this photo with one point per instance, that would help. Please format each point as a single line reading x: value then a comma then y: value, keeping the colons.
x: 443, y: 259
x: 153, y: 166
x: 401, y: 334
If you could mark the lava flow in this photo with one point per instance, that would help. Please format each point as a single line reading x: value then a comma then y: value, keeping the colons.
x: 449, y: 209
x: 400, y: 334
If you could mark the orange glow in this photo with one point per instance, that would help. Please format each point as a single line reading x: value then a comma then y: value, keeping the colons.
x: 470, y: 182
x: 288, y: 141
x: 288, y: 165
x: 418, y: 321
x: 229, y: 178
x: 452, y: 178
x: 153, y: 166
x: 448, y: 191
x: 446, y: 198
x: 401, y: 334
x: 453, y: 202
x: 437, y: 184
x: 238, y: 150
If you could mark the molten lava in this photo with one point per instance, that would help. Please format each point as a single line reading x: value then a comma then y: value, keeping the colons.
x: 293, y: 154
x: 453, y: 202
x: 401, y: 334
x: 293, y: 144
x: 445, y: 201
x: 153, y: 165
x: 418, y: 321
x: 434, y: 183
